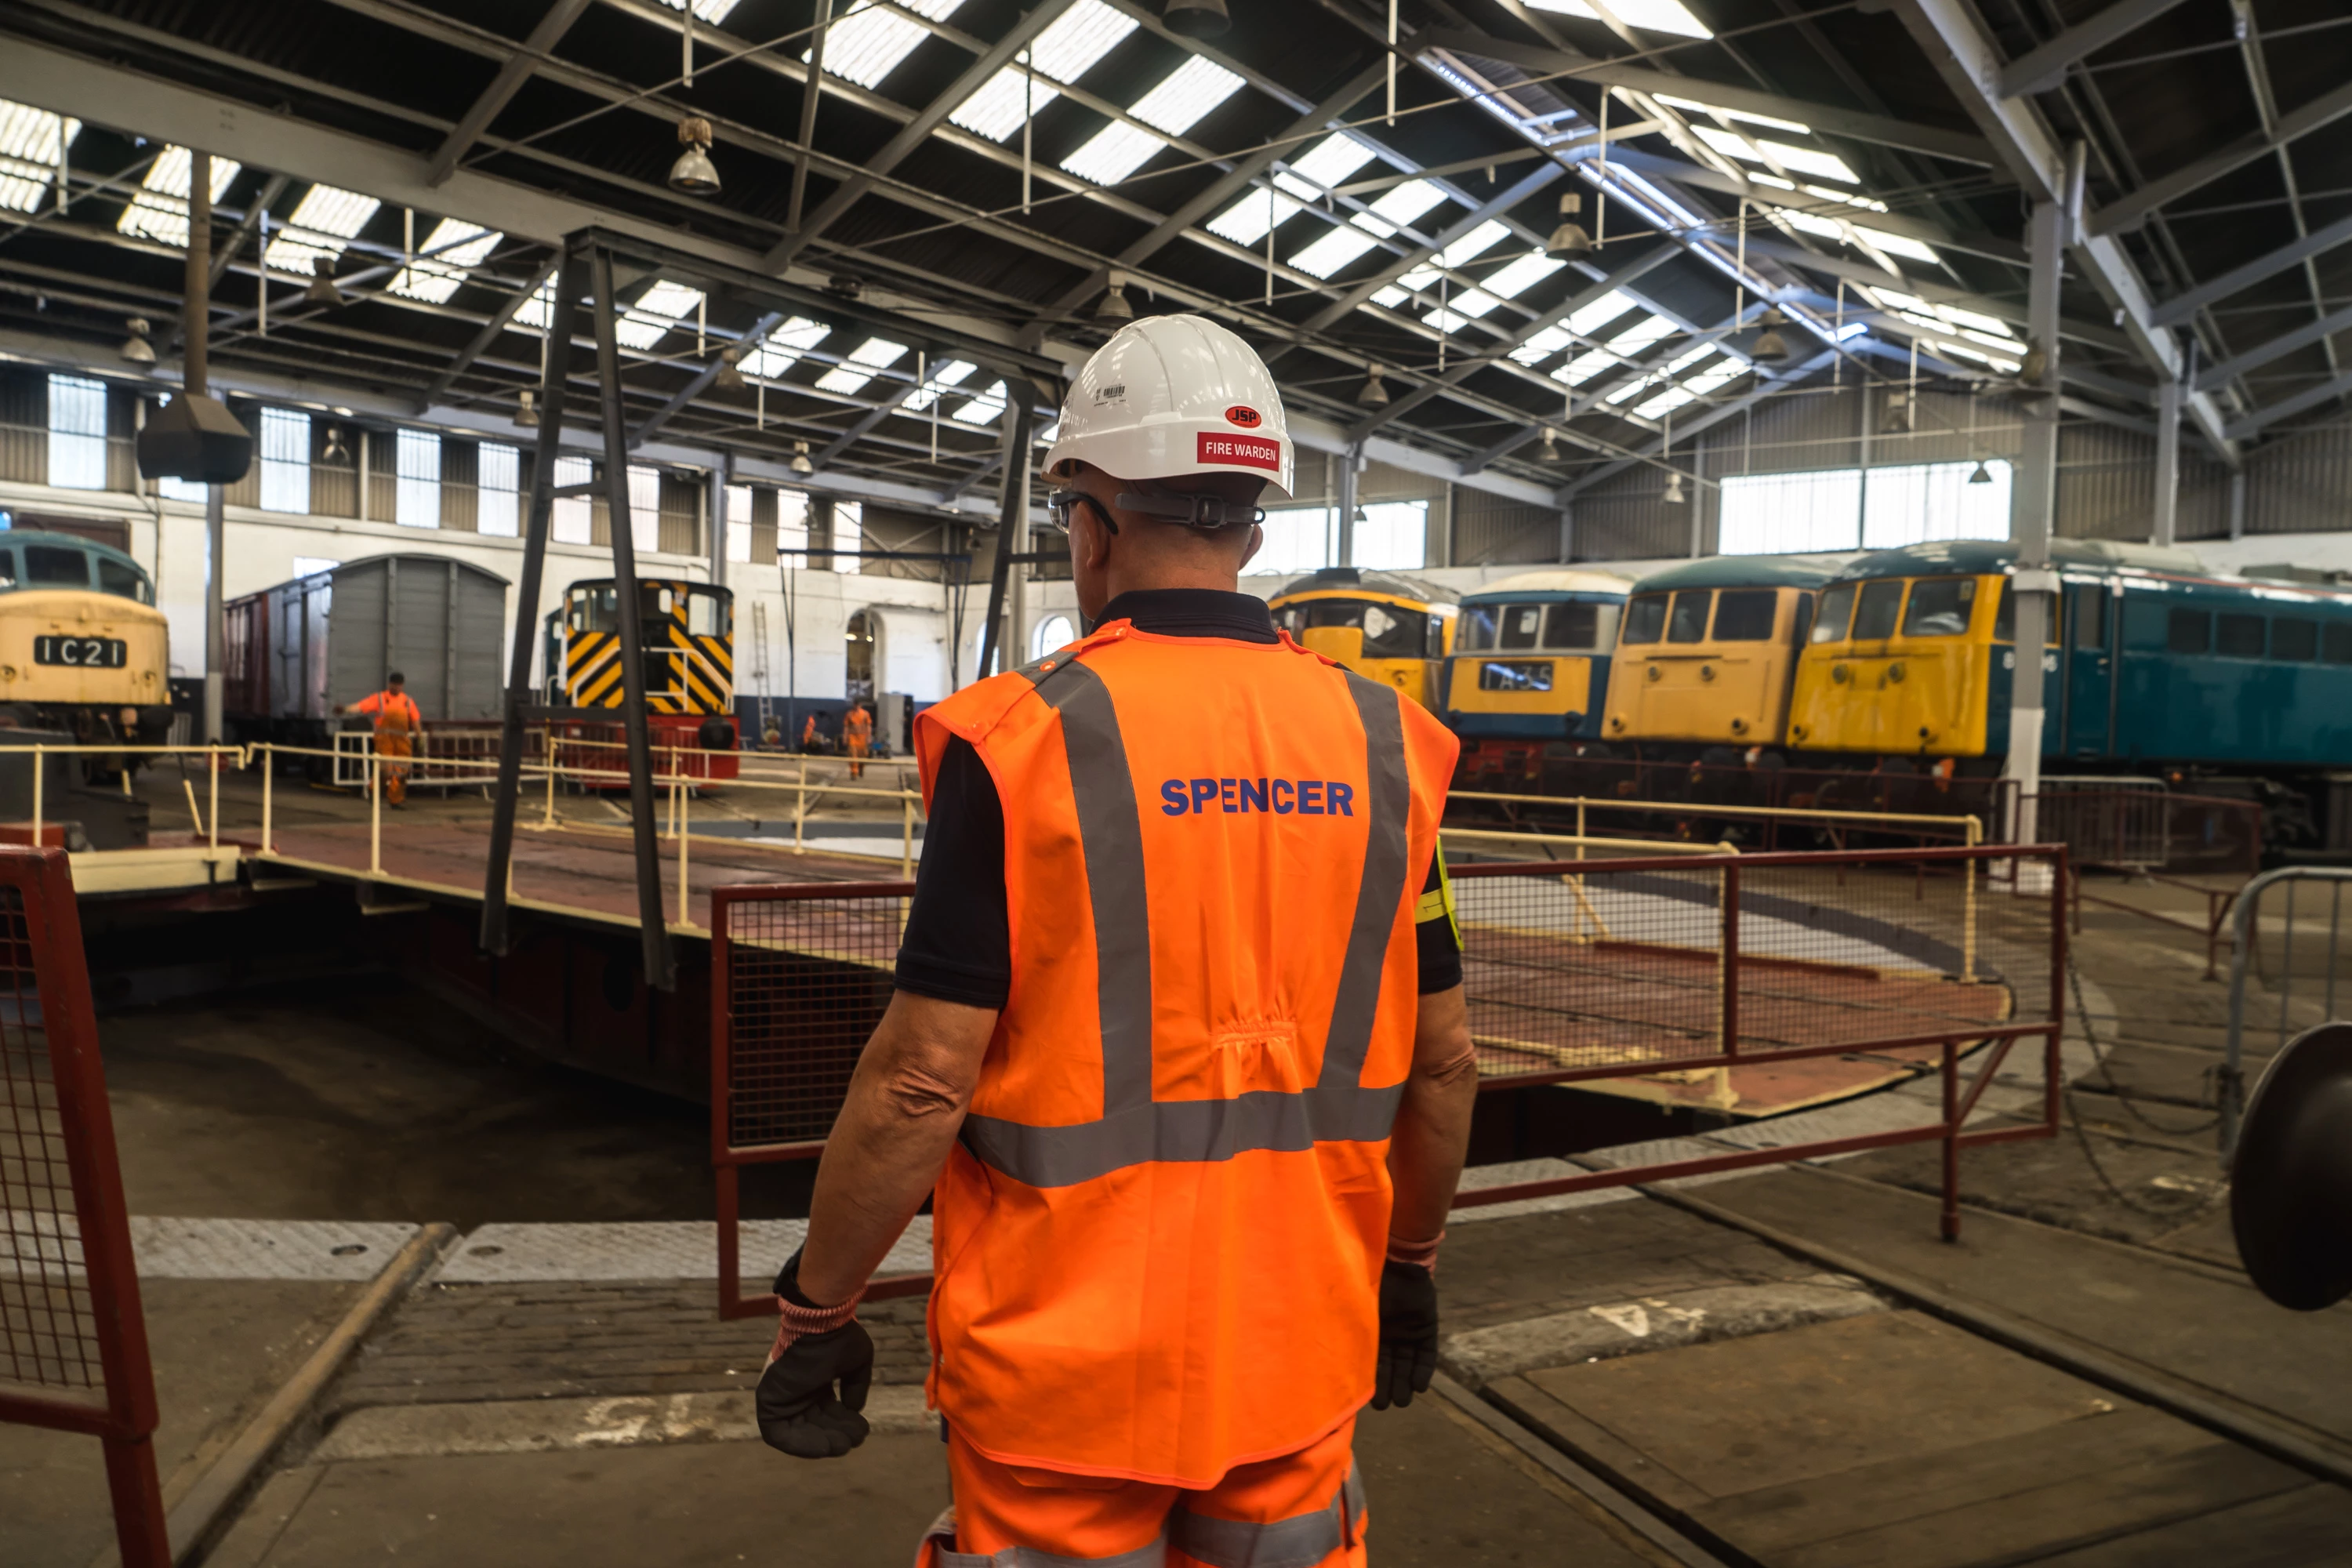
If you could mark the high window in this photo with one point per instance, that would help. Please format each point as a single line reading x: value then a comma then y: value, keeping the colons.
x: 284, y: 461
x: 77, y: 433
x: 416, y: 470
x: 1391, y: 536
x: 570, y: 521
x: 497, y: 483
x: 1876, y: 508
x: 848, y: 534
x: 645, y: 508
x: 738, y: 522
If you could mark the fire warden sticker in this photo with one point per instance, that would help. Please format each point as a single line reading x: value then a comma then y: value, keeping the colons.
x: 1244, y: 451
x: 1243, y: 414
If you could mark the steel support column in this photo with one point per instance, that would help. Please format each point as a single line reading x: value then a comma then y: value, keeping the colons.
x: 1351, y: 466
x: 1011, y: 532
x: 717, y: 538
x: 572, y: 282
x: 660, y: 973
x: 2167, y: 464
x: 2033, y: 498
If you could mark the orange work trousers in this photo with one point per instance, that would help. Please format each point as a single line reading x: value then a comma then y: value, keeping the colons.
x: 859, y: 748
x: 1303, y: 1509
x: 393, y: 744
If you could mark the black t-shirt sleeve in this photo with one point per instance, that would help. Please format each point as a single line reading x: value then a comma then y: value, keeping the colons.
x: 1435, y: 934
x: 957, y: 945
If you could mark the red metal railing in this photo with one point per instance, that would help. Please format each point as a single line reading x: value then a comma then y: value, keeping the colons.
x: 1705, y: 982
x: 73, y: 1340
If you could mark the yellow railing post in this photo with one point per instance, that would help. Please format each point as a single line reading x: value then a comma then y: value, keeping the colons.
x: 268, y: 776
x: 375, y: 814
x: 799, y: 808
x: 212, y: 801
x: 685, y: 804
x: 1975, y: 834
x: 37, y: 796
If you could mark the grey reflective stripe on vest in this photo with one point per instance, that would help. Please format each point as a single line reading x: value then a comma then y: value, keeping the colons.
x: 1112, y: 835
x: 1389, y: 797
x: 1135, y: 1129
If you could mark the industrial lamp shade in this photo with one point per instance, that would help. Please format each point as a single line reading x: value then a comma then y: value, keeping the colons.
x: 1569, y: 242
x: 1675, y: 495
x: 1551, y: 443
x: 136, y: 349
x: 1197, y: 18
x: 1115, y: 305
x: 1983, y: 476
x: 2291, y: 1176
x: 801, y: 464
x: 527, y: 414
x: 1769, y: 345
x: 195, y: 438
x: 729, y: 376
x: 1373, y: 394
x: 322, y: 289
x: 694, y: 173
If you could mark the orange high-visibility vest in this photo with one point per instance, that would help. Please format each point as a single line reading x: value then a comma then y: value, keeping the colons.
x: 1158, y: 1242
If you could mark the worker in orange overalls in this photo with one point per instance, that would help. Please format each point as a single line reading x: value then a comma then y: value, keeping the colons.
x: 397, y: 723
x: 810, y: 739
x: 857, y: 737
x: 1178, y: 1050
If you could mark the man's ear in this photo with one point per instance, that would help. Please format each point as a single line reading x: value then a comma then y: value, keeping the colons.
x: 1098, y: 539
x: 1257, y: 543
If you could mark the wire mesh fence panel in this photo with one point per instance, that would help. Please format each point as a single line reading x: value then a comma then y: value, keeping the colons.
x: 73, y: 1347
x: 2291, y: 970
x: 49, y: 1323
x: 807, y: 975
x: 1631, y: 967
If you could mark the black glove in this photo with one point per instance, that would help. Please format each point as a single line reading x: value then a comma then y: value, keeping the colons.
x: 1408, y: 1352
x: 797, y: 1410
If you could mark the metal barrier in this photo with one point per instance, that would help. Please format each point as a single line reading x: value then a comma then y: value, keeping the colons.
x: 1918, y: 802
x: 2145, y: 830
x: 2282, y: 951
x: 1717, y: 816
x: 73, y: 1340
x: 1675, y: 969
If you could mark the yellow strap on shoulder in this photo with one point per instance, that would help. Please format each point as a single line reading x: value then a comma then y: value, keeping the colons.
x: 1439, y: 900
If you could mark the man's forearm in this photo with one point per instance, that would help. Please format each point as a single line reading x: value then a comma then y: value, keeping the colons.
x: 906, y: 1103
x: 1432, y: 1134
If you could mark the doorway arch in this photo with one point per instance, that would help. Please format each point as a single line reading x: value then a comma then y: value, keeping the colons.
x: 863, y: 646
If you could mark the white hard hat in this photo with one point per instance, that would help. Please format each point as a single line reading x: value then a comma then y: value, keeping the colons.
x: 1170, y: 396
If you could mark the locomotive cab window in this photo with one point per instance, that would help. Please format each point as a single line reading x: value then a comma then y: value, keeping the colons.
x: 2295, y: 641
x: 2187, y: 631
x: 8, y: 568
x: 1645, y: 619
x: 1574, y: 627
x: 1388, y: 633
x: 1476, y: 630
x: 2004, y: 617
x: 124, y: 580
x: 52, y: 566
x: 1522, y: 626
x: 2336, y: 642
x: 1874, y: 611
x: 706, y: 615
x: 1836, y: 613
x: 2241, y: 636
x: 1745, y: 616
x: 596, y: 609
x: 1688, y: 621
x: 1939, y: 607
x: 2091, y: 619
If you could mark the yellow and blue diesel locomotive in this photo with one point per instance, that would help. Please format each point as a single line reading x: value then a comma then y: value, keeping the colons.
x: 1707, y: 655
x: 1383, y: 624
x: 690, y: 661
x: 1530, y: 662
x: 2153, y: 664
x: 83, y: 649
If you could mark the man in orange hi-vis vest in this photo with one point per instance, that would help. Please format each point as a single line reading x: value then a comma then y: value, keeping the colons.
x: 397, y: 720
x: 1178, y: 1049
x: 857, y: 737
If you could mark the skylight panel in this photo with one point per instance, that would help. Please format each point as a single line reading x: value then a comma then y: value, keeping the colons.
x: 981, y: 410
x: 1445, y: 320
x: 1721, y: 374
x: 159, y: 208
x: 1804, y: 160
x: 1687, y: 358
x: 1305, y: 190
x: 1177, y: 104
x: 946, y: 375
x: 850, y: 376
x: 1516, y: 278
x: 711, y: 11
x: 1330, y: 160
x: 782, y: 348
x: 32, y: 140
x: 1475, y: 301
x: 1901, y: 245
x: 1246, y: 221
x: 321, y: 223
x: 1079, y: 38
x: 1666, y: 403
x: 1003, y: 103
x: 1402, y: 204
x: 1751, y: 118
x: 1420, y: 278
x: 1640, y: 335
x: 1584, y: 366
x: 867, y: 44
x: 1485, y: 237
x: 1980, y: 321
x: 1590, y: 319
x: 1112, y: 153
x: 1333, y: 251
x: 643, y: 324
x: 1392, y: 295
x: 440, y: 265
x: 1543, y: 345
x: 1063, y: 52
x: 1656, y: 16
